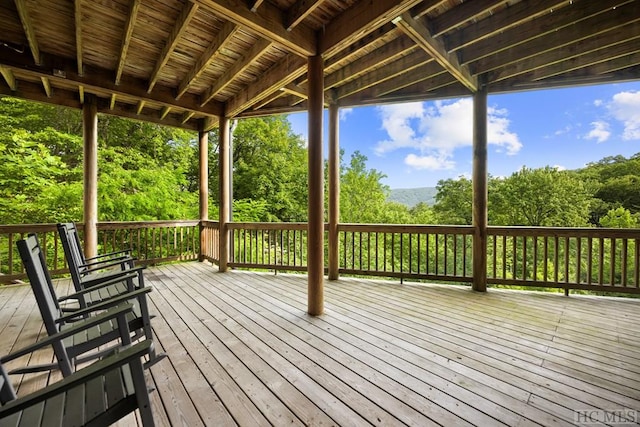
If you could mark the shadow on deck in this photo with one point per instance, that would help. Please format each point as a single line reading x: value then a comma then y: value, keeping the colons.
x: 243, y: 351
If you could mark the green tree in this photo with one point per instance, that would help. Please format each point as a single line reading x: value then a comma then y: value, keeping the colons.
x: 540, y: 197
x: 363, y: 198
x: 454, y: 201
x: 619, y: 218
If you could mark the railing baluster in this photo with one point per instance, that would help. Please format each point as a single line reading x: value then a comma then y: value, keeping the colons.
x: 612, y: 262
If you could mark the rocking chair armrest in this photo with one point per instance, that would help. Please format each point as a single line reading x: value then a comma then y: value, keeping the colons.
x: 88, y: 282
x: 90, y: 268
x: 120, y: 310
x: 80, y: 294
x: 105, y: 305
x: 80, y: 377
x: 121, y: 254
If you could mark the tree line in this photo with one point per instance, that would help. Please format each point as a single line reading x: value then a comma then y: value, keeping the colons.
x: 150, y: 172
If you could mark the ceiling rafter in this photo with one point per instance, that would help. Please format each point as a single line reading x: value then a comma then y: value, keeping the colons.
x: 164, y: 111
x: 46, y: 85
x: 401, y: 66
x: 208, y: 56
x: 140, y: 107
x: 254, y: 5
x: 435, y: 47
x: 595, y: 25
x: 29, y: 30
x: 126, y: 38
x: 361, y: 19
x: 419, y: 74
x: 464, y: 13
x: 544, y: 24
x: 77, y: 15
x: 112, y: 101
x: 268, y: 22
x: 186, y: 14
x: 68, y: 98
x: 281, y: 74
x: 9, y: 77
x: 298, y: 11
x: 64, y: 70
x: 501, y: 21
x: 236, y: 69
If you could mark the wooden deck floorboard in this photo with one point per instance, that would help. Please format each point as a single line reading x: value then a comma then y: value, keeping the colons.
x: 243, y: 351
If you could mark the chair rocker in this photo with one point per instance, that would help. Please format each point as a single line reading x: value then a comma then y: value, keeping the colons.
x: 97, y: 395
x: 55, y: 320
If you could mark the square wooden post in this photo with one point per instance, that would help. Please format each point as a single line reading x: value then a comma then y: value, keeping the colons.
x: 203, y: 159
x: 334, y: 191
x: 223, y: 170
x: 90, y: 172
x: 480, y: 186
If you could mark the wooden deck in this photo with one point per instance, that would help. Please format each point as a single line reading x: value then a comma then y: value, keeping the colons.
x: 243, y: 351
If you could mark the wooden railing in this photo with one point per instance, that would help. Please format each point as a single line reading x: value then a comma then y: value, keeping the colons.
x: 592, y: 259
x: 150, y: 242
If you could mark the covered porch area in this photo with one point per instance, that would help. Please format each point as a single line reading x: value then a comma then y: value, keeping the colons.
x: 243, y: 351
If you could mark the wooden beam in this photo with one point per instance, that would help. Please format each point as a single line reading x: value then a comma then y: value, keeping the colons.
x: 81, y: 94
x: 419, y: 74
x: 100, y: 80
x: 255, y: 4
x: 112, y: 101
x: 77, y: 14
x: 188, y: 11
x: 594, y: 27
x: 544, y: 25
x: 9, y: 78
x: 187, y: 116
x: 46, y: 84
x: 208, y: 123
x: 294, y: 89
x: 480, y: 186
x: 236, y: 69
x: 298, y: 11
x: 401, y: 66
x: 359, y: 20
x: 140, y: 107
x: 164, y: 112
x: 281, y: 74
x: 126, y: 38
x: 500, y: 22
x: 268, y: 22
x: 434, y: 47
x: 315, y: 225
x: 228, y: 30
x: 461, y: 14
x: 27, y: 25
x: 349, y: 53
x: 392, y: 51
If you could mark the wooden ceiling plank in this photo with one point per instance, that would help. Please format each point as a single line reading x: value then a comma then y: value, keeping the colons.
x: 403, y: 65
x: 281, y: 74
x: 268, y: 22
x: 461, y: 14
x: 9, y: 77
x: 545, y: 24
x: 359, y: 20
x: 435, y: 47
x: 389, y: 52
x: 594, y: 26
x: 186, y: 14
x: 300, y: 10
x: 228, y: 30
x: 354, y: 50
x: 77, y: 14
x: 27, y: 25
x: 500, y: 22
x: 126, y: 38
x: 64, y: 70
x: 46, y: 84
x: 267, y: 100
x: 609, y: 46
x: 236, y: 69
x: 420, y: 74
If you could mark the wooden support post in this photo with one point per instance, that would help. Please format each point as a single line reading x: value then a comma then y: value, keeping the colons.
x: 334, y: 190
x: 203, y: 146
x: 315, y: 237
x: 90, y: 169
x: 223, y: 170
x: 480, y: 185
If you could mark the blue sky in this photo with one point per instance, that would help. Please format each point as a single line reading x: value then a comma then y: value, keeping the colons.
x: 417, y: 144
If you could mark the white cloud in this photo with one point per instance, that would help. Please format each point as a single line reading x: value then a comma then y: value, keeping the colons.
x: 598, y: 102
x: 559, y: 168
x: 600, y: 131
x: 625, y: 107
x: 438, y: 130
x: 344, y: 112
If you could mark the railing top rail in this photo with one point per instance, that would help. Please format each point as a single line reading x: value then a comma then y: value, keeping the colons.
x: 116, y: 225
x: 267, y: 225
x: 633, y: 233
x: 406, y: 228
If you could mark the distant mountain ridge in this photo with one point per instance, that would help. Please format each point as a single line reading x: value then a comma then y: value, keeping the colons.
x: 412, y: 196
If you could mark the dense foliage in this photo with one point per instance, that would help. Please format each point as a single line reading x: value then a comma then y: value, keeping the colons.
x: 149, y: 172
